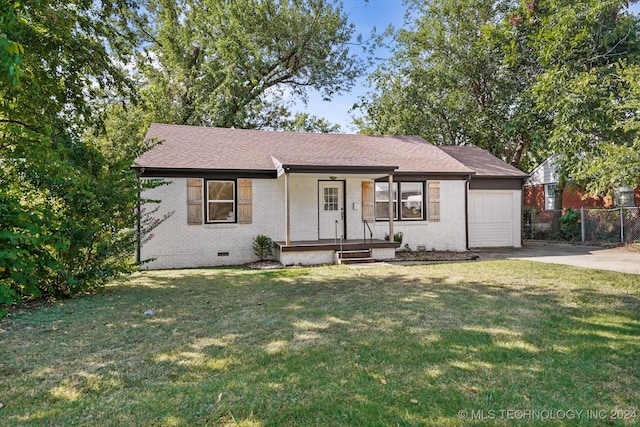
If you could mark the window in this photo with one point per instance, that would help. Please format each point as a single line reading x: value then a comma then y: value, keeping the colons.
x: 411, y: 199
x: 330, y: 198
x: 550, y: 196
x: 221, y: 201
x: 623, y: 197
x: 434, y: 200
x: 411, y: 194
x: 382, y: 200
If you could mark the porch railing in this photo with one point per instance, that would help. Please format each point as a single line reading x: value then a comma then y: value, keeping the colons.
x: 364, y: 232
x: 337, y: 225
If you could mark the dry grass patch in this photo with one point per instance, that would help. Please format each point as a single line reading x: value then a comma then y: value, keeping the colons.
x: 328, y: 346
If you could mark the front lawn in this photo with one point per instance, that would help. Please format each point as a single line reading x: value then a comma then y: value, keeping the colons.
x: 506, y: 342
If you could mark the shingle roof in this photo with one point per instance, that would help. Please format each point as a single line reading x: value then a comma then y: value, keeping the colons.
x: 192, y: 147
x: 482, y: 162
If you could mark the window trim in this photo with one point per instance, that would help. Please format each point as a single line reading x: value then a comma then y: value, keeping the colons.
x: 422, y: 201
x: 234, y: 202
x: 376, y: 201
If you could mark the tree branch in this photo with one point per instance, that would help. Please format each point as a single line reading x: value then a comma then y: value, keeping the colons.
x: 21, y: 123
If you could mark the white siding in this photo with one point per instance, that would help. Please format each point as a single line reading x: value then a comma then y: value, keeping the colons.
x: 545, y: 173
x: 494, y: 218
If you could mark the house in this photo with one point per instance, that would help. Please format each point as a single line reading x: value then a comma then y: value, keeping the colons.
x: 319, y: 194
x: 539, y: 191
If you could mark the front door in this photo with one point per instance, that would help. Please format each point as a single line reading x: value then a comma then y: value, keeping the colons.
x: 331, y: 209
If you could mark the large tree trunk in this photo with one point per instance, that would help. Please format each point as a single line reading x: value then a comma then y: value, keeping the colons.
x: 557, y: 205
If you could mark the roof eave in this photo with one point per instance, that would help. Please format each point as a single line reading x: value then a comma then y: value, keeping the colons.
x: 339, y: 169
x: 165, y: 172
x: 522, y: 177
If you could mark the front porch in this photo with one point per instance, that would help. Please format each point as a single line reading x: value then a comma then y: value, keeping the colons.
x: 324, y: 251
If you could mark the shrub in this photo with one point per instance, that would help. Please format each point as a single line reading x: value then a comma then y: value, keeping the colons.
x: 570, y: 225
x: 262, y: 247
x: 397, y: 237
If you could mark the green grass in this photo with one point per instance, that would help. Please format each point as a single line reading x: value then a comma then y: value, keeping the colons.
x: 331, y: 346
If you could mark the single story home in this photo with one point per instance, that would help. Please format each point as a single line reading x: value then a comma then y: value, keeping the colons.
x: 321, y: 197
x: 539, y: 191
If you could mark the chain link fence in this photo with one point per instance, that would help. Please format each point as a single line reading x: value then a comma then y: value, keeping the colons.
x: 619, y: 225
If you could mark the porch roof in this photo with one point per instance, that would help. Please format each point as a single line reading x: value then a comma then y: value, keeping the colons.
x: 205, y: 148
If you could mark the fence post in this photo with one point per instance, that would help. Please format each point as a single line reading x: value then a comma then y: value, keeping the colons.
x: 532, y: 214
x: 583, y: 237
x: 621, y: 226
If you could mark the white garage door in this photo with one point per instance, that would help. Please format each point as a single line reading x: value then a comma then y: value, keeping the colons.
x: 494, y: 218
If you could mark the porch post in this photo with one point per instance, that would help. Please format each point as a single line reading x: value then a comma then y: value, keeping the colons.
x: 391, y: 210
x: 287, y: 205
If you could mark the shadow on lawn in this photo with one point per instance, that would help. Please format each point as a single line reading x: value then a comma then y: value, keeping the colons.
x: 385, y: 346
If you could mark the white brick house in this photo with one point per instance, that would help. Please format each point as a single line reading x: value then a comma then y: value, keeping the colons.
x: 311, y: 193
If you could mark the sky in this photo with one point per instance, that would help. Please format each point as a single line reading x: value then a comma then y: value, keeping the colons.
x: 365, y: 15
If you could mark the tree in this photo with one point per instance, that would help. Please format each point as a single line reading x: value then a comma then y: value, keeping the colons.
x: 588, y: 53
x: 67, y: 207
x: 449, y: 82
x: 303, y: 122
x: 236, y: 63
x: 521, y: 79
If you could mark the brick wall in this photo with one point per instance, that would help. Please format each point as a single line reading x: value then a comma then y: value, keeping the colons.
x: 448, y: 234
x: 572, y: 197
x: 178, y: 245
x: 534, y: 196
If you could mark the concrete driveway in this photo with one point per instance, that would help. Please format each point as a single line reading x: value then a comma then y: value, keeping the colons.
x: 615, y: 259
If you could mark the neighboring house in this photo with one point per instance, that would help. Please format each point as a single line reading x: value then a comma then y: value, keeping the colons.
x: 539, y: 191
x: 309, y: 192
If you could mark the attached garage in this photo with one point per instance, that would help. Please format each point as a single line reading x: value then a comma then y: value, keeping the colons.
x: 494, y: 199
x: 494, y: 218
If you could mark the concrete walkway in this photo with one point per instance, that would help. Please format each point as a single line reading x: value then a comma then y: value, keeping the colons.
x: 615, y: 259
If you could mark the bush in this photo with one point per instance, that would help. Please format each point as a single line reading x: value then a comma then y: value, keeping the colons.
x: 397, y: 237
x: 262, y: 247
x: 69, y: 226
x: 570, y: 225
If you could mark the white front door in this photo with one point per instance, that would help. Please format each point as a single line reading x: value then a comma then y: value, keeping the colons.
x: 331, y: 209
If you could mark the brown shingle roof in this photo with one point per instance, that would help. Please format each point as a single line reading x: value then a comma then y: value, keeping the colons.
x: 192, y: 147
x: 483, y: 163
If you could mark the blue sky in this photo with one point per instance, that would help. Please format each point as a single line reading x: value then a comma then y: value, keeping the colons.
x: 365, y: 15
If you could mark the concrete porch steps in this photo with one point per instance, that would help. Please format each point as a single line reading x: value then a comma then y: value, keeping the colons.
x: 354, y: 257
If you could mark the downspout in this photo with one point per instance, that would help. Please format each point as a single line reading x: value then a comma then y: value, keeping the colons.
x: 287, y: 208
x: 522, y: 213
x: 138, y: 239
x: 391, y: 211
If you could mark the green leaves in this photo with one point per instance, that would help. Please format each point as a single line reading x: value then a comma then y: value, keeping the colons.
x: 521, y: 80
x: 589, y: 52
x: 68, y: 197
x: 237, y: 63
x: 449, y: 82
